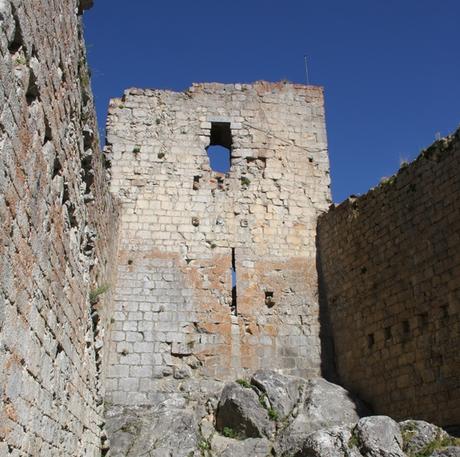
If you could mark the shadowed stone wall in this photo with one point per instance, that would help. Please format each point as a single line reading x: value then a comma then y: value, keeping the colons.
x: 391, y: 268
x: 185, y: 225
x: 58, y: 232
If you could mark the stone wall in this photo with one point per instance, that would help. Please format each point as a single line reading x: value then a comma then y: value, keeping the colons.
x: 184, y: 226
x: 391, y: 273
x: 58, y: 235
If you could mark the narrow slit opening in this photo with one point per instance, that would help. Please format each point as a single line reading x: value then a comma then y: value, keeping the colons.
x: 370, y: 340
x: 234, y: 306
x: 405, y: 327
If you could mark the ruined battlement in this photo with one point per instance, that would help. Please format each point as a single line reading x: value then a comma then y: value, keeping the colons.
x: 217, y: 272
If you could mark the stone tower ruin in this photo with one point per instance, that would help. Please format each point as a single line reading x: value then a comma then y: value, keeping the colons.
x: 217, y: 271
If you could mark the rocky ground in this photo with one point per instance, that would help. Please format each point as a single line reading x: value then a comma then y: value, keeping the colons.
x: 268, y: 415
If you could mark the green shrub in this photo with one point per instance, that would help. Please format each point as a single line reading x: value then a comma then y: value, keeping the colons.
x: 229, y: 432
x: 272, y: 414
x: 95, y: 293
x: 244, y: 383
x: 245, y: 181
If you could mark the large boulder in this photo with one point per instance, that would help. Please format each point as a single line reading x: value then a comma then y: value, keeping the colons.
x: 240, y: 412
x: 423, y: 438
x: 379, y: 436
x: 417, y: 435
x: 326, y: 404
x: 322, y: 405
x: 283, y: 392
x: 332, y: 442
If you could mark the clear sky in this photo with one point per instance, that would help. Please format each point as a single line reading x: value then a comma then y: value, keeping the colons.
x: 390, y: 68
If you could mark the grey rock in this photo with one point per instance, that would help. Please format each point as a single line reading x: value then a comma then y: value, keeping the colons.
x: 450, y: 451
x: 251, y: 447
x: 323, y: 405
x: 379, y: 436
x: 328, y: 404
x: 333, y: 442
x: 418, y: 434
x: 282, y: 391
x: 239, y: 409
x: 156, y: 432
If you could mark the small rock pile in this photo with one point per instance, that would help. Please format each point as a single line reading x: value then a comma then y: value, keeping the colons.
x: 271, y: 415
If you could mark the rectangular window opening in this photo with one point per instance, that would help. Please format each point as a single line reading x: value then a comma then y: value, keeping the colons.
x: 387, y: 333
x: 196, y: 182
x: 405, y: 327
x: 445, y: 311
x: 234, y: 306
x: 220, y: 147
x: 423, y: 317
x: 370, y: 340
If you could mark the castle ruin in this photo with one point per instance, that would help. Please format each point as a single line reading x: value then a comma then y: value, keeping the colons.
x: 126, y: 271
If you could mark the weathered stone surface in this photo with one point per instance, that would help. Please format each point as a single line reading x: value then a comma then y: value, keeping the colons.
x: 321, y: 406
x: 418, y: 434
x: 331, y: 442
x: 239, y: 409
x: 251, y: 447
x: 451, y: 451
x: 327, y: 404
x: 283, y: 392
x: 168, y: 428
x: 379, y: 436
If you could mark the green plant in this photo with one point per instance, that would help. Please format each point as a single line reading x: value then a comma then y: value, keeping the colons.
x: 438, y: 443
x: 273, y: 414
x: 244, y: 383
x: 157, y: 121
x: 136, y: 149
x: 245, y: 181
x: 229, y: 432
x: 204, y: 445
x: 20, y: 60
x: 95, y: 293
x: 262, y: 400
x: 387, y: 180
x: 353, y: 441
x: 121, y: 106
x: 161, y: 155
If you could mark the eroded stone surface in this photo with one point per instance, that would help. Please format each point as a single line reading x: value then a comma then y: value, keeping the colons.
x: 193, y: 423
x: 240, y: 410
x: 379, y: 436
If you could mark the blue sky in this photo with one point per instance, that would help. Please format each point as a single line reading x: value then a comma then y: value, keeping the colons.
x: 390, y: 68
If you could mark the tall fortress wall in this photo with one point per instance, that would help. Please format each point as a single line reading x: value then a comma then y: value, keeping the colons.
x: 185, y: 227
x: 58, y: 236
x: 390, y: 264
